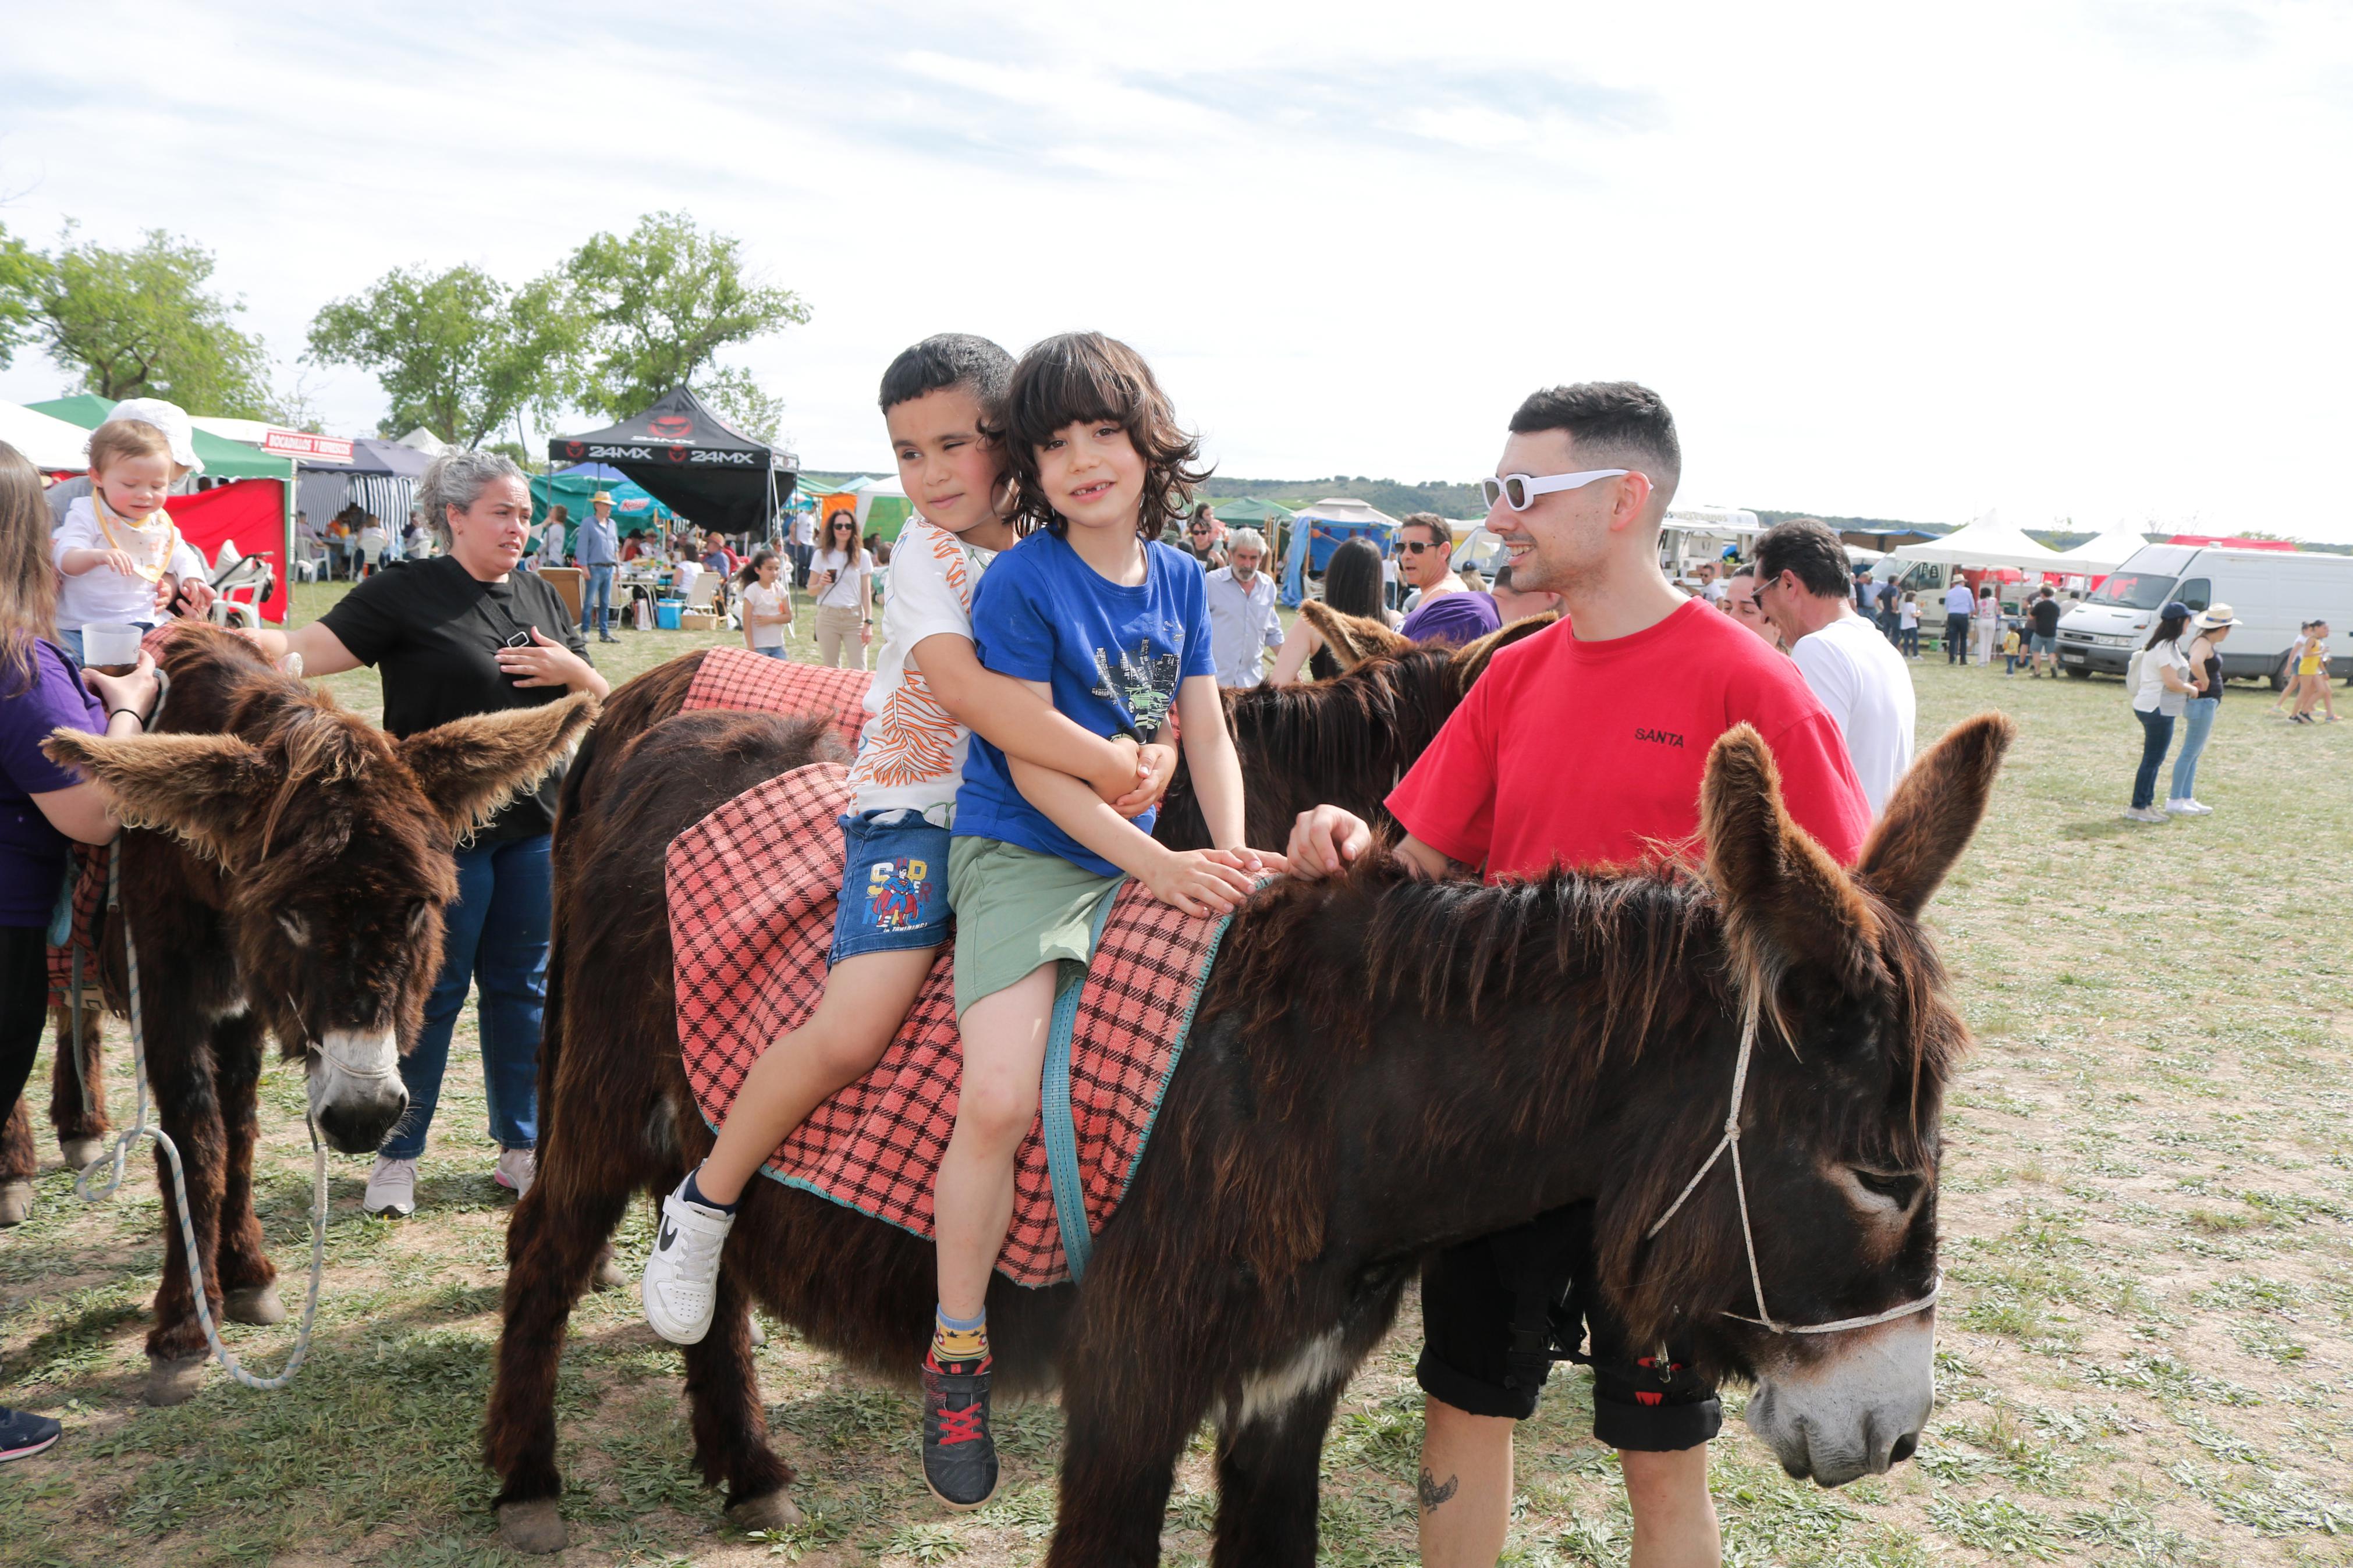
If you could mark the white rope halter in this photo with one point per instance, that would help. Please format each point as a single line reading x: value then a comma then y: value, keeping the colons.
x: 1731, y: 1139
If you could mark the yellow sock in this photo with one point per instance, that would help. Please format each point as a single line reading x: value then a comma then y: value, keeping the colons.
x: 959, y: 1338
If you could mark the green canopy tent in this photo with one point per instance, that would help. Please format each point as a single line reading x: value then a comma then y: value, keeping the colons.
x: 223, y: 459
x: 1269, y: 517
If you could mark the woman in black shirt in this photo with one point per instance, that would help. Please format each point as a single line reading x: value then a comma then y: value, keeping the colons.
x: 454, y: 635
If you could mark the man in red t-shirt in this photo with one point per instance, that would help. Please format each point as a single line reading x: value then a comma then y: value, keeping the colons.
x: 1582, y: 747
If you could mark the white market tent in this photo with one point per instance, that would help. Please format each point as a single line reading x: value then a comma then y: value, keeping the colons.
x: 49, y: 443
x: 1987, y: 541
x: 2101, y: 555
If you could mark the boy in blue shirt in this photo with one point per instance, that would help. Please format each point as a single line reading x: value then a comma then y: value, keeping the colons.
x: 1115, y: 632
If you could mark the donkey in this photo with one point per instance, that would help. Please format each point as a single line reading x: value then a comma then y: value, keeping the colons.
x: 76, y: 1115
x: 284, y: 867
x: 1381, y: 1068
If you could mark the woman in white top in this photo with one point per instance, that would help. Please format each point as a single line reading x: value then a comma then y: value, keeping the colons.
x: 767, y: 608
x: 842, y: 578
x: 1985, y: 621
x: 2164, y: 685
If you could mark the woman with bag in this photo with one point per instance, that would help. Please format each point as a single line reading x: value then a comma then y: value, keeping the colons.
x: 2199, y: 712
x: 842, y: 579
x: 2160, y: 683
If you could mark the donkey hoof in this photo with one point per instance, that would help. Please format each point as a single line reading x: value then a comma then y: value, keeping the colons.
x: 80, y: 1151
x: 254, y: 1304
x: 536, y: 1526
x: 174, y: 1382
x: 16, y: 1203
x: 609, y: 1276
x: 770, y: 1511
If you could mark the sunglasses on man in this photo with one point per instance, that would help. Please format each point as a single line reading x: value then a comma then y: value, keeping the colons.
x: 1520, y: 490
x: 1416, y: 546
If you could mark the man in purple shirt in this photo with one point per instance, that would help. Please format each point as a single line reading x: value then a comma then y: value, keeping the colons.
x: 1449, y: 612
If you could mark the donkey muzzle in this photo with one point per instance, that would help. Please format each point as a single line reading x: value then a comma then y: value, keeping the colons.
x: 356, y: 1095
x: 1853, y: 1410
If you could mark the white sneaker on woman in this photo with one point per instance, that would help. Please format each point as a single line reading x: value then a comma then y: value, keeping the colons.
x: 2188, y: 808
x: 2144, y: 813
x: 391, y: 1189
x: 681, y: 1283
x: 517, y: 1169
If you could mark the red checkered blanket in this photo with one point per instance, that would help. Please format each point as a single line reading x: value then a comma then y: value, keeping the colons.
x: 738, y: 677
x: 752, y: 889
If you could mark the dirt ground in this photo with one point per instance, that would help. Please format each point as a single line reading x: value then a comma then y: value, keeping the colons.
x: 2146, y: 1340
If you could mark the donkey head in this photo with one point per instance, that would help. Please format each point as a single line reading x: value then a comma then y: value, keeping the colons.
x: 1839, y: 1123
x: 333, y: 845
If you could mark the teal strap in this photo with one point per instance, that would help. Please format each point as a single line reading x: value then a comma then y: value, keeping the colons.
x: 1060, y: 1132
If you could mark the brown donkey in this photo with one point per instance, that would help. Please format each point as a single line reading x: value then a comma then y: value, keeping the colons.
x: 77, y: 1117
x: 1332, y: 1124
x: 290, y: 877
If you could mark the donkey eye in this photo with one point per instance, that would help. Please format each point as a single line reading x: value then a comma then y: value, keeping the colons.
x: 1898, y: 1189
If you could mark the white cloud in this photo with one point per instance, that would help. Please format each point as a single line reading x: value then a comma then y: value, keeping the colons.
x: 2073, y: 260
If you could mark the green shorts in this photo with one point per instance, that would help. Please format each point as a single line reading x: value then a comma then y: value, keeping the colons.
x: 1018, y: 909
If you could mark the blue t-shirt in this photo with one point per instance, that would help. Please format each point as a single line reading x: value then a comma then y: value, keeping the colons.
x: 33, y: 853
x: 1114, y: 655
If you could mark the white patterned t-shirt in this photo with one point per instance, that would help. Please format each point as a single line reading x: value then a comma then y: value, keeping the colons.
x: 911, y: 752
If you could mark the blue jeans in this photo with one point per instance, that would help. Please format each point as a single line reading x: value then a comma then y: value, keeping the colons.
x: 774, y: 651
x: 495, y: 933
x: 2198, y: 723
x: 2156, y: 735
x: 596, y: 602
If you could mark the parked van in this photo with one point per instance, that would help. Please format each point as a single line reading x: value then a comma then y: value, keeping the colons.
x: 2272, y: 592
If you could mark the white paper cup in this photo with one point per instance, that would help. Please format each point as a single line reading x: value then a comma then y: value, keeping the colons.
x: 109, y: 647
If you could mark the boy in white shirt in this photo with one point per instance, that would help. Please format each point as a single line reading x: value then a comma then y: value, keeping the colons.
x: 122, y: 557
x: 929, y: 694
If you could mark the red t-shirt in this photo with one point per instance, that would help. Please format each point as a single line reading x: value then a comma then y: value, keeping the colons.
x: 1589, y: 754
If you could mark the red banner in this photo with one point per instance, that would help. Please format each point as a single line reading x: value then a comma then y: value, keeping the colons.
x: 249, y: 515
x: 302, y: 444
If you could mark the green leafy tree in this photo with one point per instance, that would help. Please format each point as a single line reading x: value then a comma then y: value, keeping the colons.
x: 456, y: 352
x: 24, y: 275
x: 662, y: 303
x: 144, y: 323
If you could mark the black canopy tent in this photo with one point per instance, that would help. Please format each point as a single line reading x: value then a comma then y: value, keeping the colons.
x: 693, y: 462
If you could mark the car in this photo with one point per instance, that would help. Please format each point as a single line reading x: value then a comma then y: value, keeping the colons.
x: 2272, y: 592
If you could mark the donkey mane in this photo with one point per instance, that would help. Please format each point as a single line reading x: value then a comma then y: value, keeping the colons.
x: 1388, y: 707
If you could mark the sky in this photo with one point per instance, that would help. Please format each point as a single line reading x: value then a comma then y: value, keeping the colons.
x: 2083, y: 262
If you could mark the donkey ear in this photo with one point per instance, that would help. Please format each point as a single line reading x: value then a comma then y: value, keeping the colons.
x: 1469, y: 660
x: 1933, y: 812
x: 1351, y: 638
x: 199, y: 787
x: 470, y: 767
x: 1784, y: 899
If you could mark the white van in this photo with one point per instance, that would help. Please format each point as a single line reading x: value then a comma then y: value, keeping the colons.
x: 2273, y: 592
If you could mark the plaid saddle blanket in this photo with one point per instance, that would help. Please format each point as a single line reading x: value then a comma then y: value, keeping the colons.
x: 738, y: 677
x: 752, y: 889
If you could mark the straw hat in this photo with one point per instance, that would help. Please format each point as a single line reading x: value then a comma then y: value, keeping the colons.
x: 2214, y: 616
x: 602, y: 497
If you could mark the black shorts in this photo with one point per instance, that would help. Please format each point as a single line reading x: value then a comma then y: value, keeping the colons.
x: 1484, y: 1355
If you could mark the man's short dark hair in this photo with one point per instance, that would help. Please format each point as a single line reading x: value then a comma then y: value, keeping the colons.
x: 2048, y: 592
x: 1439, y: 532
x: 1809, y: 549
x: 949, y: 359
x: 1622, y: 421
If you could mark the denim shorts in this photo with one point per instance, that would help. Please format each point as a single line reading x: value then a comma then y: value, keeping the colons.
x: 895, y: 885
x: 2041, y: 644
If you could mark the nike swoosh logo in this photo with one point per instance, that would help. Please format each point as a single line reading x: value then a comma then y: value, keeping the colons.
x: 669, y: 1234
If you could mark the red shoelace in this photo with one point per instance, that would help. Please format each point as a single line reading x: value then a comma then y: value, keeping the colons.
x: 960, y: 1425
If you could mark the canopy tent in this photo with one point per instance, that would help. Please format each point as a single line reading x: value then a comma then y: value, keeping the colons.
x: 880, y: 504
x: 1262, y: 515
x: 423, y: 440
x: 223, y: 459
x: 379, y: 478
x: 693, y: 461
x: 1319, y: 529
x: 249, y: 516
x: 2100, y: 556
x: 1986, y: 542
x: 54, y: 445
x: 1883, y: 540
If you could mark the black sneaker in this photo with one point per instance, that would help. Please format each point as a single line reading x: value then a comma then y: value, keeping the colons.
x: 959, y: 1454
x: 24, y: 1433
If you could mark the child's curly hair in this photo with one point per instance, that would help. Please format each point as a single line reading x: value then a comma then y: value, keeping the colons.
x: 1080, y: 376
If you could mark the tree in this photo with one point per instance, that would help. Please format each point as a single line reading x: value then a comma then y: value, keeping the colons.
x: 23, y: 273
x: 143, y: 323
x: 456, y: 352
x: 661, y: 304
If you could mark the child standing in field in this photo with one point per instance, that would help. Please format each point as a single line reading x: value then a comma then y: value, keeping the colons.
x: 1115, y: 631
x: 894, y: 906
x: 767, y: 610
x: 2009, y: 645
x: 1908, y: 627
x: 2311, y: 677
x: 122, y: 557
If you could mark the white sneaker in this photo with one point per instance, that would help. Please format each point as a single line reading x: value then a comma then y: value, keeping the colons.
x: 391, y: 1189
x: 517, y: 1169
x: 2144, y: 813
x: 2188, y: 808
x: 681, y: 1283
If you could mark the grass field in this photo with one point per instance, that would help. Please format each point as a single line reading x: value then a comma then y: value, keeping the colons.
x: 2146, y: 1343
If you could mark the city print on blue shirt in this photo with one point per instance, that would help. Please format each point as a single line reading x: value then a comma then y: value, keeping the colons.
x: 1114, y: 655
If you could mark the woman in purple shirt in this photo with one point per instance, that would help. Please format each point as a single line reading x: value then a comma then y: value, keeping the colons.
x: 42, y: 806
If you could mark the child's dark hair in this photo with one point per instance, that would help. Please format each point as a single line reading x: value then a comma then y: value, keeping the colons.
x: 750, y: 571
x: 1080, y: 376
x: 949, y: 359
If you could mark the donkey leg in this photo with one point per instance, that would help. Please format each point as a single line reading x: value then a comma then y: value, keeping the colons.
x: 17, y: 1162
x: 731, y: 1430
x: 247, y: 1278
x: 79, y: 1115
x: 1267, y: 1483
x: 1124, y: 1426
x: 181, y: 1070
x: 553, y: 1238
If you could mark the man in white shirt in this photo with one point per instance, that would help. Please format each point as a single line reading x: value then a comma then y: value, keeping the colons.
x: 1243, y: 620
x: 1803, y: 589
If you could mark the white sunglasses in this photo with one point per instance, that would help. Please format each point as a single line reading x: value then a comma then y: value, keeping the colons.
x: 1522, y: 489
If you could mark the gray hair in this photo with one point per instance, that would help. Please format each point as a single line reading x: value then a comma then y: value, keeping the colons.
x: 1246, y: 538
x: 458, y: 479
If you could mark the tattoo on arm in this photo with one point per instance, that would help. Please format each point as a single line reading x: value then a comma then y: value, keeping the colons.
x: 1434, y: 1492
